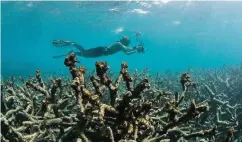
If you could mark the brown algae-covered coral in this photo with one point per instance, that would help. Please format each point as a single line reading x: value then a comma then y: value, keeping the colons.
x: 126, y: 108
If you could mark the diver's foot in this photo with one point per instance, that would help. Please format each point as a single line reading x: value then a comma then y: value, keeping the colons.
x: 61, y: 43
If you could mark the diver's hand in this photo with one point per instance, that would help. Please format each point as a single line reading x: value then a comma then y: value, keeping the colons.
x: 140, y: 49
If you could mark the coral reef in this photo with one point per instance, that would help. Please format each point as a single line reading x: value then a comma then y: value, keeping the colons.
x: 203, y: 106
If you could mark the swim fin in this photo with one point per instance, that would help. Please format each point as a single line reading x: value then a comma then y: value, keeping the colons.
x: 61, y: 43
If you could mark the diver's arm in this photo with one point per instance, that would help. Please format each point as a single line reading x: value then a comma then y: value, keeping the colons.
x: 130, y: 53
x: 79, y: 47
x: 136, y: 49
x: 127, y: 49
x: 131, y: 50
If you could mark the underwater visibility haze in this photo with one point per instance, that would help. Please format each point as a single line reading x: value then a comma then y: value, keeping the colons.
x: 182, y: 84
x: 176, y: 35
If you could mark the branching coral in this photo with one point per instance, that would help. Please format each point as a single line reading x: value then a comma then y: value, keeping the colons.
x: 131, y: 108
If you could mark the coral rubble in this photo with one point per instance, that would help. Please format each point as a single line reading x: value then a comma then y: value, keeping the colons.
x: 204, y: 106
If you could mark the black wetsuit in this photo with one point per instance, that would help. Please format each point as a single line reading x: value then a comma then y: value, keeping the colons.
x: 99, y: 51
x: 94, y: 52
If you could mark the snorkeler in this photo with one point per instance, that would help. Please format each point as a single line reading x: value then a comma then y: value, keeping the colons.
x: 122, y: 45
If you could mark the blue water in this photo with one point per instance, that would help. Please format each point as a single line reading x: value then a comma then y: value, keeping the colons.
x: 177, y: 35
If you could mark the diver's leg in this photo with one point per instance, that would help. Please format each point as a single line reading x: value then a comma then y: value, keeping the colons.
x: 59, y: 56
x: 77, y: 53
x: 94, y: 52
x: 61, y: 43
x: 79, y: 47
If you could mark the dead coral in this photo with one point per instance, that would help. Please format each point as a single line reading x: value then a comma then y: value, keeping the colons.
x: 137, y: 108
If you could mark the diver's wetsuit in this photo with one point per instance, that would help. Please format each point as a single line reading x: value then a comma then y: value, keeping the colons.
x: 99, y: 51
x: 93, y: 52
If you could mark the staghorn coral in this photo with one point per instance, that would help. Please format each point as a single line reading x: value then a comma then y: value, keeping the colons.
x: 131, y: 108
